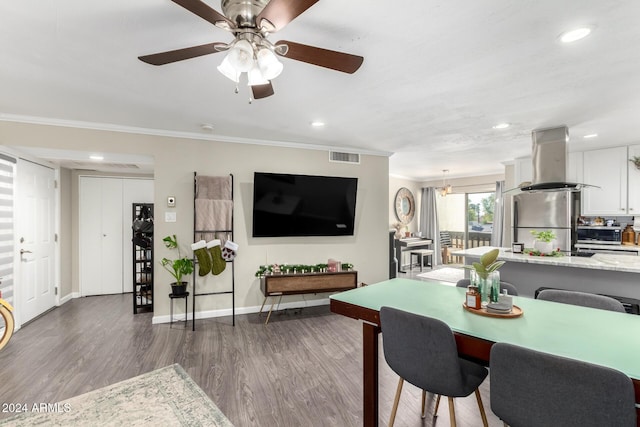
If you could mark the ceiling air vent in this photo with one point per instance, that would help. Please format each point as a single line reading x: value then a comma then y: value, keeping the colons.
x: 336, y: 156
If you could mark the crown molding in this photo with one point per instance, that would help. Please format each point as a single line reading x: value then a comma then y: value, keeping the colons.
x: 177, y: 134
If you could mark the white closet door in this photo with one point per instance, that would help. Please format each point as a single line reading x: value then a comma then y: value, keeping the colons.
x: 101, y: 238
x: 134, y: 191
x: 112, y: 238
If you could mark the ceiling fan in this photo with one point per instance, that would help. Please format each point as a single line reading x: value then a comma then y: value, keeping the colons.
x: 251, y: 21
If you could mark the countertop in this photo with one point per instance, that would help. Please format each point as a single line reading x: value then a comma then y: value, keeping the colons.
x: 611, y: 262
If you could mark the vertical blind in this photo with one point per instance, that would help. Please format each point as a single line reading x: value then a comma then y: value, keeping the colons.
x: 7, y: 173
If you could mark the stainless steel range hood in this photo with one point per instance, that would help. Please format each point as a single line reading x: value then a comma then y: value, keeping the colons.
x: 550, y: 162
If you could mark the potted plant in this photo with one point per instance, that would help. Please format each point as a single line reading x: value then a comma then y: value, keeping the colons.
x: 178, y: 267
x: 544, y: 241
x: 485, y: 276
x: 636, y: 161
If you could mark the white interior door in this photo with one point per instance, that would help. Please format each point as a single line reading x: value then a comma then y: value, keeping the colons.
x: 101, y: 237
x: 35, y: 239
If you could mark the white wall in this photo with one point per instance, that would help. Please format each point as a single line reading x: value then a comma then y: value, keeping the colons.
x: 176, y: 159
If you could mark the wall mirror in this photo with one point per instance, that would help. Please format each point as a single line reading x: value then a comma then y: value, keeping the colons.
x: 405, y: 205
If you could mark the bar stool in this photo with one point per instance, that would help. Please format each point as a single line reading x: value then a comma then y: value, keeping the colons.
x: 173, y: 297
x: 420, y: 254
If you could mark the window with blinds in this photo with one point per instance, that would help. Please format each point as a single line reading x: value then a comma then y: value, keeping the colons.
x: 7, y: 173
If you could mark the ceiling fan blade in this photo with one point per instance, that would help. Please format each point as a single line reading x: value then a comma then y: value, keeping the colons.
x: 205, y: 12
x: 181, y: 54
x: 262, y: 91
x: 338, y: 61
x: 280, y: 12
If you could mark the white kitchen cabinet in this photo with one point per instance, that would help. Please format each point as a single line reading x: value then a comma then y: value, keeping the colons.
x: 634, y: 181
x: 575, y: 169
x: 606, y: 168
x: 523, y: 170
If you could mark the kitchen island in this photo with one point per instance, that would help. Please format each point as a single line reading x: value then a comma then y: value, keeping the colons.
x: 609, y: 274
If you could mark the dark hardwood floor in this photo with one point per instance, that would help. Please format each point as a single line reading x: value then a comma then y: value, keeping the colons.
x: 302, y: 369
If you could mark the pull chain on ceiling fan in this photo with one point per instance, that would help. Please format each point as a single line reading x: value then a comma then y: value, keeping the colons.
x: 251, y: 52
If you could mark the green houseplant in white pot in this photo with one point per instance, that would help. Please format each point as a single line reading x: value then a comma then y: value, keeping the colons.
x: 544, y: 242
x: 486, y: 277
x: 179, y: 267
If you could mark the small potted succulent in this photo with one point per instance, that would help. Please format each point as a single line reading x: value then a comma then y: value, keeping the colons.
x: 179, y: 267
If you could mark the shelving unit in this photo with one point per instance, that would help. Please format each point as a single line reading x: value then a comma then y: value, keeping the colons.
x: 143, y: 260
x: 209, y: 234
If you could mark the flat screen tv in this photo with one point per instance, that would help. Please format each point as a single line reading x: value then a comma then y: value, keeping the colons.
x: 286, y: 205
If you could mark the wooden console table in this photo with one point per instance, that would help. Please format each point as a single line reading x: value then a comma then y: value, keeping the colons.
x: 305, y: 283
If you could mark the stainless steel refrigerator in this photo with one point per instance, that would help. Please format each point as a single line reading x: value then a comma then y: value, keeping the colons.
x: 555, y: 211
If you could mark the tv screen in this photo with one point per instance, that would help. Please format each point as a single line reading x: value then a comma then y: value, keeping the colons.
x: 303, y: 205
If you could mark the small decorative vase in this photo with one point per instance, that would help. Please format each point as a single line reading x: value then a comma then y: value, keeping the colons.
x: 489, y: 288
x: 543, y: 247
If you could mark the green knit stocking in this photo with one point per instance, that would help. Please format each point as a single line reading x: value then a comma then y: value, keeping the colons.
x: 217, y: 263
x: 204, y: 258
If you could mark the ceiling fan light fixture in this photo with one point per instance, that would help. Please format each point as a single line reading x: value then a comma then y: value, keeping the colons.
x: 241, y: 56
x: 269, y: 65
x: 228, y: 71
x: 256, y: 78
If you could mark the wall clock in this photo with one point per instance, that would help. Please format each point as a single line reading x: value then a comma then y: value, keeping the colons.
x: 405, y: 205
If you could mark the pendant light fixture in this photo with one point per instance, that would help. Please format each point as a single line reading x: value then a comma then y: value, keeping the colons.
x: 446, y: 188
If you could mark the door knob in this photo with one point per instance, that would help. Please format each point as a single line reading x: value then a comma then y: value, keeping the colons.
x: 22, y: 251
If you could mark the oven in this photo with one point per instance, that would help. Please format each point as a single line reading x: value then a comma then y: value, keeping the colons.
x: 599, y: 235
x: 586, y: 250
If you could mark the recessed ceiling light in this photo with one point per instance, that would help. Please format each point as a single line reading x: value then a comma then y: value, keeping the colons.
x: 591, y: 135
x: 317, y: 124
x: 502, y: 126
x: 207, y: 127
x: 575, y: 35
x: 96, y: 157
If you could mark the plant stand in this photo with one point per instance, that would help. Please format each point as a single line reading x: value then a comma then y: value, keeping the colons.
x: 179, y: 296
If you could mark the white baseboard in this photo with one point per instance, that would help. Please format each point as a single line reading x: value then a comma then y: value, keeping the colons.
x: 241, y: 310
x: 65, y: 299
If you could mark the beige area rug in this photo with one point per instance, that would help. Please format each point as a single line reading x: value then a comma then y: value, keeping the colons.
x: 164, y: 397
x: 446, y: 274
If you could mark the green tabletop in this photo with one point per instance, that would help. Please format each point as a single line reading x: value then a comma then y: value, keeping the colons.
x: 598, y: 336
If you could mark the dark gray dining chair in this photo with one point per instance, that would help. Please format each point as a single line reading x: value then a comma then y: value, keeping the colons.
x: 530, y: 388
x: 504, y: 286
x: 581, y: 298
x: 422, y: 351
